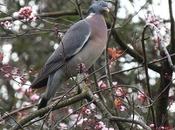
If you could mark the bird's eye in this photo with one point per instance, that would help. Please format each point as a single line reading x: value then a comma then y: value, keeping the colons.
x: 101, y: 4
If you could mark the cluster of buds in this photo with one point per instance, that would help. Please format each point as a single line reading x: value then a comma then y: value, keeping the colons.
x: 101, y: 126
x: 27, y: 14
x: 86, y: 111
x: 11, y: 72
x: 120, y: 92
x: 32, y: 96
x: 160, y: 31
x: 102, y: 85
x: 141, y: 97
x: 63, y: 126
x: 152, y: 19
x: 6, y: 24
x: 161, y: 127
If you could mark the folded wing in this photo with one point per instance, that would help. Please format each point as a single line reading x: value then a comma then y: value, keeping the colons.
x: 74, y: 40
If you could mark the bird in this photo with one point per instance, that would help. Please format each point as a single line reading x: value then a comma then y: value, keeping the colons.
x: 83, y: 43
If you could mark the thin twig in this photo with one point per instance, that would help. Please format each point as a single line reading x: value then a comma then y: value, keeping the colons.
x: 77, y: 4
x: 109, y: 79
x: 121, y: 119
x: 43, y: 15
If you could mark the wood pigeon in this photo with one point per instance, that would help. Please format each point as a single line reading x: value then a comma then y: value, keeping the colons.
x: 83, y: 43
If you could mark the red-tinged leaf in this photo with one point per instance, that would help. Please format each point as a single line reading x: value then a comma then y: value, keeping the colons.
x: 119, y: 104
x: 114, y: 53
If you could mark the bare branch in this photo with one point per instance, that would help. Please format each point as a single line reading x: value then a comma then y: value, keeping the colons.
x: 146, y: 73
x: 44, y: 15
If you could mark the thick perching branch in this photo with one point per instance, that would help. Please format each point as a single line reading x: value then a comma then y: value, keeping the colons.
x: 43, y: 111
x: 85, y: 94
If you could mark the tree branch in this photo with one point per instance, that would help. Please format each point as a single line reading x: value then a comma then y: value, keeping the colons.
x: 44, y: 15
x: 166, y: 78
x: 147, y: 75
x: 41, y: 112
x: 121, y: 119
x: 172, y: 27
x: 131, y: 52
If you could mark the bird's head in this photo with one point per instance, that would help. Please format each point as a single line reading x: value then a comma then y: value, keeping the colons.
x: 99, y: 7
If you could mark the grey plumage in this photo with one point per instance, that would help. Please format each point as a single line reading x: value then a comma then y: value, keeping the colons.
x: 83, y: 43
x: 73, y: 41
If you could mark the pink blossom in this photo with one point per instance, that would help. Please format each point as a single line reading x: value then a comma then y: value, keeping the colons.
x: 102, y: 85
x: 151, y: 125
x: 6, y: 24
x: 29, y: 91
x: 86, y: 111
x: 14, y: 73
x: 34, y: 97
x: 162, y: 128
x: 7, y: 75
x: 99, y: 125
x: 150, y: 18
x: 141, y: 97
x: 120, y: 92
x: 122, y: 108
x: 114, y: 83
x: 63, y: 126
x: 27, y: 13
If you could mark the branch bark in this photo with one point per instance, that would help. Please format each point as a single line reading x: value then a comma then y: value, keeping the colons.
x: 134, y: 54
x: 86, y: 94
x: 147, y: 75
x: 166, y: 78
x: 47, y: 109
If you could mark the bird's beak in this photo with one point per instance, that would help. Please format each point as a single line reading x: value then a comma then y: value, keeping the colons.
x: 106, y: 9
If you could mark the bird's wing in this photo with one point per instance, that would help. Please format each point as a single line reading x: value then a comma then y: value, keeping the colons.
x: 74, y: 40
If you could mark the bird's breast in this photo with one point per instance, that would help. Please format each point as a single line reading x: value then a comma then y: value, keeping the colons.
x: 87, y: 56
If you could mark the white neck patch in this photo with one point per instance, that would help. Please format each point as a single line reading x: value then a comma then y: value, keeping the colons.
x: 90, y: 15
